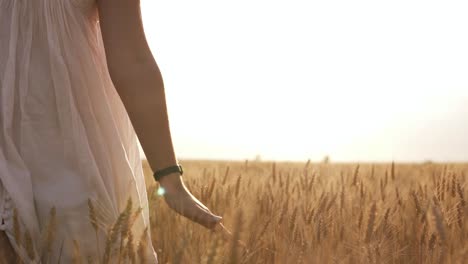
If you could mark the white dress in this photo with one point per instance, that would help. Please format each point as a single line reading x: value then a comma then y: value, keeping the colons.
x: 65, y: 138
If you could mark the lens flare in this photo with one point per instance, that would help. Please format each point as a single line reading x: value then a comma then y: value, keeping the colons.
x: 161, y: 191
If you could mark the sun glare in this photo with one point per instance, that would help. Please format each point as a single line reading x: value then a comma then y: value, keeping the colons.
x: 293, y: 80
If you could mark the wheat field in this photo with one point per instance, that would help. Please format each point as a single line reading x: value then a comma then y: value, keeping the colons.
x: 299, y: 213
x: 319, y: 213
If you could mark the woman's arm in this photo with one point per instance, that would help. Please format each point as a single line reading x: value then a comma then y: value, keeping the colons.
x: 139, y: 83
x: 137, y: 78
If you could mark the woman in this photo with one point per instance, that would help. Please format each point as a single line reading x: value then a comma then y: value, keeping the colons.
x: 78, y: 84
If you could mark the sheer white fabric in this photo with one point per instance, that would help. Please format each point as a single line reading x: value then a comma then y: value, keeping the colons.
x: 65, y: 136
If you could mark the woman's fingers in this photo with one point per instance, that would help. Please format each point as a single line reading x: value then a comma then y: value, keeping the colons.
x: 219, y: 229
x: 212, y: 221
x: 187, y: 205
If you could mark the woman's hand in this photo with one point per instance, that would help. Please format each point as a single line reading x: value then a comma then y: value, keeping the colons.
x: 179, y: 198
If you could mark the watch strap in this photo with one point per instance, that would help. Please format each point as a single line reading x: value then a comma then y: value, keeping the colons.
x: 171, y: 169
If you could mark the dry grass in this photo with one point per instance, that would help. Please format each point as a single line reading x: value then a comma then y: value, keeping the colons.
x: 320, y: 213
x: 301, y: 213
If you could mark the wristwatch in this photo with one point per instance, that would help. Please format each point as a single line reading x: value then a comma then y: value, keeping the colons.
x: 171, y: 169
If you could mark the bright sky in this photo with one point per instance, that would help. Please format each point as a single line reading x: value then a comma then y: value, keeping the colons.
x: 293, y: 80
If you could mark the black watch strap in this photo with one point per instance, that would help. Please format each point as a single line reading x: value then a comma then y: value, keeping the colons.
x: 171, y: 169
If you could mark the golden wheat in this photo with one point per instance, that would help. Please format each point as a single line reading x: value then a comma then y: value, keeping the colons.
x: 292, y: 213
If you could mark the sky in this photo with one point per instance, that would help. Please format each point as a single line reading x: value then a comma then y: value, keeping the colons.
x: 298, y: 80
